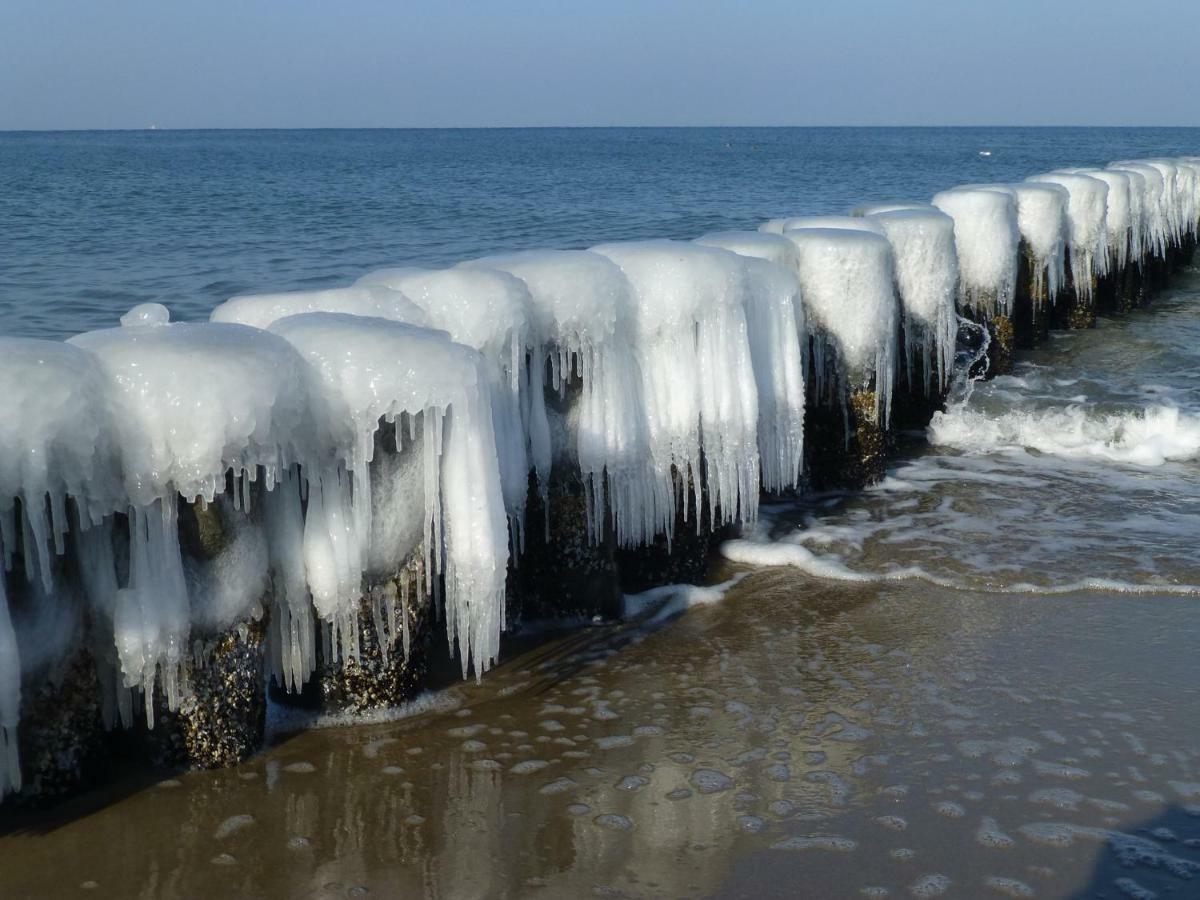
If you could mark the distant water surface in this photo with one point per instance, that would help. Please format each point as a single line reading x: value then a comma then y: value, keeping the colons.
x: 92, y: 223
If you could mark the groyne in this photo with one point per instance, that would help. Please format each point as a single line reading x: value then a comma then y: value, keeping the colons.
x: 299, y: 496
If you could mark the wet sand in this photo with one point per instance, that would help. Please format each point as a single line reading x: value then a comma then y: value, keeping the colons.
x: 800, y: 738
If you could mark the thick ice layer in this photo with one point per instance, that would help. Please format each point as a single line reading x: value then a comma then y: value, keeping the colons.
x: 1154, y: 205
x: 1044, y: 229
x: 373, y: 369
x: 870, y: 209
x: 987, y: 239
x: 260, y: 310
x: 1189, y: 187
x: 55, y: 442
x: 779, y: 342
x: 1118, y: 211
x: 492, y: 312
x: 852, y: 223
x: 926, y: 266
x: 771, y: 246
x: 583, y: 306
x: 1087, y: 214
x: 56, y: 445
x: 1172, y: 197
x: 846, y: 280
x: 698, y: 378
x: 192, y: 403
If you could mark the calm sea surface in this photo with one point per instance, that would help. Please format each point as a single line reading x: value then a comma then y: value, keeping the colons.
x: 976, y: 679
x: 92, y: 223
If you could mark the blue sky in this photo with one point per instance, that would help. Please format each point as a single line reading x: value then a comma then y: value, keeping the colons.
x: 347, y: 63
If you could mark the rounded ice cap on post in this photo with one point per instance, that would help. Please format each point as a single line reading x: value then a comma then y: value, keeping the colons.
x: 846, y: 278
x: 260, y: 310
x: 871, y: 209
x: 768, y: 245
x: 779, y: 226
x: 57, y: 441
x: 195, y: 400
x: 987, y: 240
x: 850, y: 223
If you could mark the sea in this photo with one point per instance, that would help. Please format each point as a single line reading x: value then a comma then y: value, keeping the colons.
x: 974, y: 679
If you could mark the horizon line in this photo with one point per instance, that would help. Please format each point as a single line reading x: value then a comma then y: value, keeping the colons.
x: 156, y: 128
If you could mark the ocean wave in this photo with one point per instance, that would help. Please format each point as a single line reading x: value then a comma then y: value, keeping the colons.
x: 1146, y: 437
x: 794, y: 555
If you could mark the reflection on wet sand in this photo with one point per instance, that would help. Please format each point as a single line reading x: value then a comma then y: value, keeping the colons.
x: 800, y: 738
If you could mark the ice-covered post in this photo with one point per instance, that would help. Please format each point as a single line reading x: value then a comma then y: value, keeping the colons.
x: 926, y: 268
x: 438, y: 498
x: 601, y: 492
x: 988, y: 239
x: 699, y: 389
x: 208, y: 417
x: 846, y: 281
x: 59, y: 478
x: 1087, y: 246
x: 1119, y: 229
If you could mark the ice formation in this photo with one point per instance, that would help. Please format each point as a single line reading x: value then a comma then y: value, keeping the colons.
x: 374, y: 370
x: 1118, y: 211
x: 583, y: 310
x: 846, y: 281
x: 987, y: 239
x: 1154, y: 219
x: 1170, y: 200
x: 260, y: 310
x: 852, y: 223
x: 926, y: 266
x: 56, y: 452
x: 492, y: 312
x: 339, y: 440
x: 698, y: 379
x: 1189, y: 187
x: 1087, y: 215
x: 870, y: 209
x: 779, y: 340
x: 1044, y: 228
x: 191, y: 403
x: 767, y: 245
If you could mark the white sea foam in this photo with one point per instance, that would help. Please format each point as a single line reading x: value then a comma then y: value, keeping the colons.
x: 1145, y: 437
